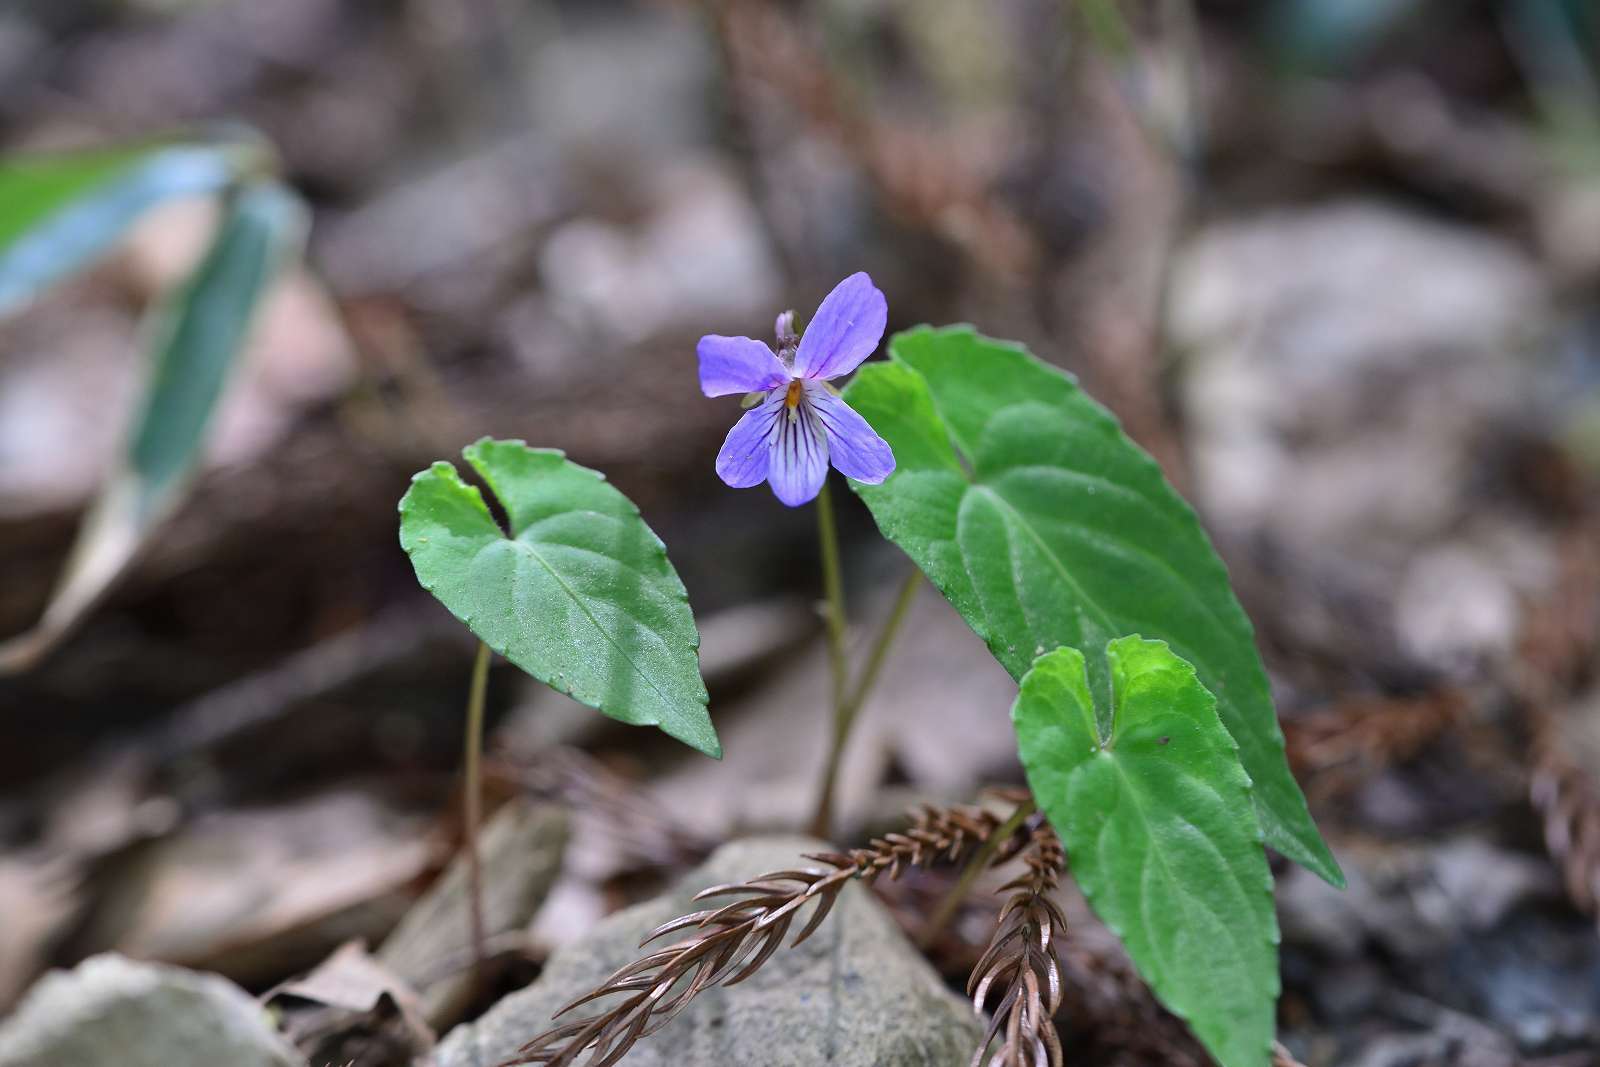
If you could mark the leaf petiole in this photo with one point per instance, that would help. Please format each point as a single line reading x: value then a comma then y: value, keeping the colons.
x: 847, y: 701
x: 472, y: 804
x: 969, y: 875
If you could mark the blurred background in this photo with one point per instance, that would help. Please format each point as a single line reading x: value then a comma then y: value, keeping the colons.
x: 1335, y: 263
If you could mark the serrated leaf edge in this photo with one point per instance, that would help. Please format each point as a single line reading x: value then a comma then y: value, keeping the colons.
x: 1314, y: 854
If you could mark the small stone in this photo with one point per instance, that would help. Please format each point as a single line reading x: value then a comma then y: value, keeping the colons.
x: 1338, y: 418
x: 110, y: 1009
x: 856, y: 994
x: 522, y: 849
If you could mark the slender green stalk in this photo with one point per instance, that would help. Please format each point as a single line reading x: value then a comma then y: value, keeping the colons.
x: 473, y: 804
x: 838, y: 666
x: 880, y: 648
x: 846, y: 711
x: 833, y: 590
x: 969, y: 876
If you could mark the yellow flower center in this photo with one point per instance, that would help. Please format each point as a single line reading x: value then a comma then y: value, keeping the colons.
x: 791, y: 399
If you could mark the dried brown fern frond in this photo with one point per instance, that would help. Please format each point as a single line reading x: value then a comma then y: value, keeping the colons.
x: 1555, y: 663
x: 1347, y: 743
x: 1567, y: 796
x: 1561, y: 630
x: 1021, y: 961
x: 727, y: 944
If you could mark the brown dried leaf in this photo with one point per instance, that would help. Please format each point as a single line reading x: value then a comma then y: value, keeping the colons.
x: 352, y: 1010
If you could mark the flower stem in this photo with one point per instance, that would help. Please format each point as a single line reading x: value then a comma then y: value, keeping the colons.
x: 848, y: 702
x: 880, y: 648
x: 473, y: 804
x: 969, y: 876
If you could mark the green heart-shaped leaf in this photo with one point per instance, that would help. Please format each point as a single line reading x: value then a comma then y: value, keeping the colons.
x: 580, y: 595
x: 1161, y: 834
x: 1033, y: 513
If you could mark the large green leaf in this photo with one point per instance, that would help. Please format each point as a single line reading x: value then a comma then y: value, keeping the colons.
x: 580, y: 595
x: 1028, y: 507
x: 57, y: 213
x: 195, y: 338
x: 1161, y: 834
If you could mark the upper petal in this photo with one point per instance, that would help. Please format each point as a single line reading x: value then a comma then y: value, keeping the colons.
x: 737, y: 365
x: 799, y: 460
x: 846, y: 328
x: 744, y: 456
x: 853, y: 446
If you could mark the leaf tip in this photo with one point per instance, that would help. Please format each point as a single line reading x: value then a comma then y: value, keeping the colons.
x: 1332, y: 873
x: 699, y: 735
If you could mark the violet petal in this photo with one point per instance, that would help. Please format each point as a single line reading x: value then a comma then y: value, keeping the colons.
x: 745, y: 454
x: 738, y: 365
x: 799, y: 462
x: 853, y: 446
x: 845, y: 330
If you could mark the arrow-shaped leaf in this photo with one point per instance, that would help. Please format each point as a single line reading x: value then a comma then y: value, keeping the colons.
x: 580, y: 594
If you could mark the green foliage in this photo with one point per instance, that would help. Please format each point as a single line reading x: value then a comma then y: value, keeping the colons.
x: 201, y: 331
x: 57, y: 213
x: 196, y: 338
x: 1157, y: 819
x: 34, y: 187
x: 1044, y: 525
x: 580, y: 594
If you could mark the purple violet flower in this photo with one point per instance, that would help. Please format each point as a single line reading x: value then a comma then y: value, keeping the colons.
x: 798, y: 424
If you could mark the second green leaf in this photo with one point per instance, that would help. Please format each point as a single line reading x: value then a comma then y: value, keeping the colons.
x: 1160, y: 834
x: 579, y: 593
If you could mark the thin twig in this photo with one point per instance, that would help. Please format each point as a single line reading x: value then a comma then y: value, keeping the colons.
x: 401, y: 634
x: 729, y: 943
x: 473, y: 805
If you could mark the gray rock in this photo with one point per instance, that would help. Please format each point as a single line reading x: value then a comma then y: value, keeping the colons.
x: 855, y: 995
x: 110, y: 1009
x: 1343, y: 365
x: 522, y: 847
x: 255, y: 892
x: 1414, y: 901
